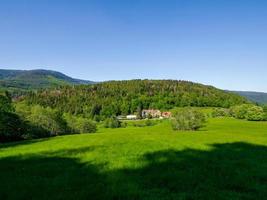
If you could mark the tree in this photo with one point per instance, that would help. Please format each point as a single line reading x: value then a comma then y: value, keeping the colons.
x: 6, y: 102
x: 47, y: 119
x: 11, y: 127
x: 188, y: 119
x: 112, y: 122
x: 78, y: 125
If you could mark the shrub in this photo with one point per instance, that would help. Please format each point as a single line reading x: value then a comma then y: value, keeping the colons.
x: 85, y: 125
x: 249, y: 112
x: 220, y: 112
x: 240, y: 111
x: 112, y: 122
x: 188, y: 119
x: 144, y: 123
x: 255, y: 113
x: 124, y: 124
x: 149, y: 122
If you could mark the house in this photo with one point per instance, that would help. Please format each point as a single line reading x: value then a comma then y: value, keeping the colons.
x: 131, y: 117
x: 166, y: 114
x: 151, y: 113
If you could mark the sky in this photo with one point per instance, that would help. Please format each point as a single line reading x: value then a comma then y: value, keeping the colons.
x: 216, y: 42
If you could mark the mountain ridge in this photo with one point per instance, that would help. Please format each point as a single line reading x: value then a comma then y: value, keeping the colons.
x: 257, y: 97
x: 14, y: 80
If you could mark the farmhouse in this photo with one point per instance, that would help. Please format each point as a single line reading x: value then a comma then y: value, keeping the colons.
x: 166, y: 114
x: 151, y: 113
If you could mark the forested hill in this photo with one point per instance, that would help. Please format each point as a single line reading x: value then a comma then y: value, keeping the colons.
x: 24, y: 80
x: 124, y: 97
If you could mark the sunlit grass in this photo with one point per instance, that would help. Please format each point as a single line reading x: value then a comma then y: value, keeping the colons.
x: 227, y: 159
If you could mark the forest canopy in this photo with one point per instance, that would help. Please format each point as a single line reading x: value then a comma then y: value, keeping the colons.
x: 114, y: 98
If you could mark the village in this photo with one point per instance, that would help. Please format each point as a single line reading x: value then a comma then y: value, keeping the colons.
x: 147, y: 114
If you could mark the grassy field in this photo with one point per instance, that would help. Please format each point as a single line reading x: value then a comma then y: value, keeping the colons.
x: 225, y: 160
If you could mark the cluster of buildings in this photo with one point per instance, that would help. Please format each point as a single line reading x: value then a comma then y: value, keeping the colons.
x: 148, y: 114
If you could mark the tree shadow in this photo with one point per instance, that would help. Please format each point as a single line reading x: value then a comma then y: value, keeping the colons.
x: 227, y: 171
x: 22, y: 142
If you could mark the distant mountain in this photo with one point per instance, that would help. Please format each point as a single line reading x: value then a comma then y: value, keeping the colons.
x: 257, y: 97
x: 21, y: 80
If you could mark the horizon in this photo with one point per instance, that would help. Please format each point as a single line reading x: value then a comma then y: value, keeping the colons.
x: 99, y: 81
x: 220, y: 43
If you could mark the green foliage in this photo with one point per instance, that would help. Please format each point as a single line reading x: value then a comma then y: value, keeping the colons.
x: 240, y: 111
x: 104, y: 100
x: 220, y: 112
x: 6, y: 102
x: 79, y: 124
x: 47, y: 119
x: 112, y: 122
x: 188, y: 119
x: 249, y: 112
x: 11, y: 127
x: 255, y: 113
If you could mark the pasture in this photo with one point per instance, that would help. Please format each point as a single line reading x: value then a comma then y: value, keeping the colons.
x: 227, y: 159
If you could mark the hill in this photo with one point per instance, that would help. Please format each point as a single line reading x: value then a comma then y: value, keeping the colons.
x: 257, y: 97
x: 124, y: 97
x: 21, y: 80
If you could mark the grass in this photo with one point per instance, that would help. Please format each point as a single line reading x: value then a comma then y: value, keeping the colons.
x: 225, y: 160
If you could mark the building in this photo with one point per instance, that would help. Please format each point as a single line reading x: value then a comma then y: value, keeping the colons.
x: 151, y: 113
x: 131, y: 117
x: 166, y: 114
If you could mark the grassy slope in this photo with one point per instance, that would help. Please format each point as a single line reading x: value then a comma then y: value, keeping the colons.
x: 225, y: 160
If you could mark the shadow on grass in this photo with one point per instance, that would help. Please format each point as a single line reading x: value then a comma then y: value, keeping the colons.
x: 22, y: 142
x: 228, y: 171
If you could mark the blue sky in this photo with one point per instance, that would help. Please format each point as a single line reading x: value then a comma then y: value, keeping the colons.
x: 217, y: 42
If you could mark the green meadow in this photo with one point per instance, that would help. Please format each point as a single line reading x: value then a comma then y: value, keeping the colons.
x: 227, y: 159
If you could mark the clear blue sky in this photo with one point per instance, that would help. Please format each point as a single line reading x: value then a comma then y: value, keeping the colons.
x: 217, y: 42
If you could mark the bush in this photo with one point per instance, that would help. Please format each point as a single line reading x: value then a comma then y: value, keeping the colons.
x: 240, y: 111
x: 255, y: 113
x: 112, y: 122
x: 249, y: 112
x: 188, y: 119
x: 86, y: 125
x: 144, y: 123
x: 124, y: 124
x: 220, y: 112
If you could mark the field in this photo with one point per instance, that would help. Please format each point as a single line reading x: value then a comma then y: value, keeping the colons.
x: 225, y: 160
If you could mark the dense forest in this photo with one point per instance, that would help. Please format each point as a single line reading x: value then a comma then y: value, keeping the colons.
x: 113, y: 98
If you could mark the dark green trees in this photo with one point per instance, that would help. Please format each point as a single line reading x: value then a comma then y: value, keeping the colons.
x: 11, y: 126
x: 108, y: 99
